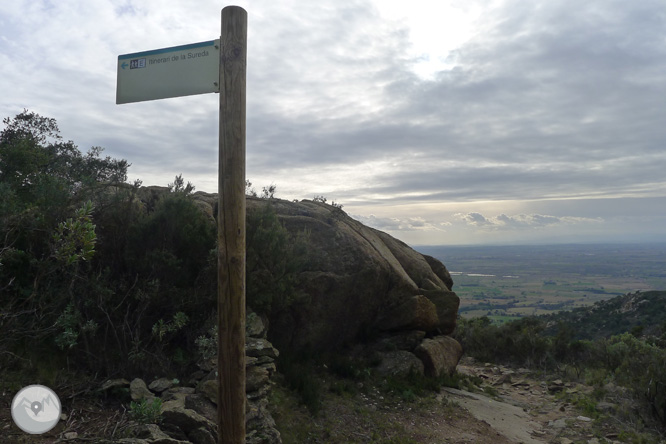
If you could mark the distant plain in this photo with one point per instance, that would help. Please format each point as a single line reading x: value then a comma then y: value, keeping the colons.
x: 506, y: 282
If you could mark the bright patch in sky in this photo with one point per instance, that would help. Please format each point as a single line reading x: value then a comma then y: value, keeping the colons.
x: 436, y: 29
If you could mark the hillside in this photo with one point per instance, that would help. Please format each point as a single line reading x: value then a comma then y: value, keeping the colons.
x: 643, y: 313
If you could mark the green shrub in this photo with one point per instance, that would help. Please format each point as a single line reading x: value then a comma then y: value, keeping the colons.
x: 274, y: 259
x: 146, y: 412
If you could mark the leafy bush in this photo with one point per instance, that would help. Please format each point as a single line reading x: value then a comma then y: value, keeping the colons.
x: 48, y: 191
x: 274, y: 258
x: 87, y: 265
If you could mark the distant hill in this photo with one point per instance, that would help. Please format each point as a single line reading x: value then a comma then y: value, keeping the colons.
x: 640, y: 313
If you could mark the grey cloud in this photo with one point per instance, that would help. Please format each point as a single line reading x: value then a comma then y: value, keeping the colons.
x: 401, y: 224
x: 547, y: 103
x: 519, y: 221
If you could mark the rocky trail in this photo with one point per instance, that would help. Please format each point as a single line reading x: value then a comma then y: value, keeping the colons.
x: 506, y: 406
x: 525, y: 409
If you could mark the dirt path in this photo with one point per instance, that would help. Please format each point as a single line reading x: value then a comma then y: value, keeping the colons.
x: 525, y: 409
x: 508, y: 420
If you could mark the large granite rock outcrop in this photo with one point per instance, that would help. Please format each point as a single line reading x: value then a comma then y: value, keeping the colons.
x: 360, y: 282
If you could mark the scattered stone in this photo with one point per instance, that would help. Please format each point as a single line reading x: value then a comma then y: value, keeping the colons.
x: 258, y: 347
x: 149, y: 431
x: 139, y: 391
x: 606, y: 407
x: 185, y: 419
x: 174, y: 432
x: 503, y: 379
x: 254, y: 326
x: 160, y: 385
x: 200, y: 404
x: 256, y: 378
x: 558, y: 423
x: 114, y: 383
x: 209, y: 389
x: 584, y: 418
x: 202, y: 436
x: 71, y: 435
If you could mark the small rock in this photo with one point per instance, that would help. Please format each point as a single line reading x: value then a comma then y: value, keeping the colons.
x: 558, y: 424
x: 254, y: 326
x: 139, y: 391
x: 202, y: 406
x: 186, y: 419
x: 161, y: 384
x: 114, y: 383
x: 148, y: 431
x: 258, y: 347
x: 202, y: 436
x: 71, y: 435
x: 584, y: 418
x: 209, y: 389
x: 606, y: 407
x: 255, y: 378
x: 505, y: 378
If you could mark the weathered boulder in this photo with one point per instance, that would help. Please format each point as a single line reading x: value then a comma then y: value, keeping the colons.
x: 439, y: 355
x: 186, y: 419
x: 139, y: 390
x: 160, y: 385
x: 202, y: 436
x: 357, y: 280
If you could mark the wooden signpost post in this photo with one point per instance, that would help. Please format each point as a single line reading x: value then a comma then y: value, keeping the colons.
x: 231, y: 229
x: 198, y: 68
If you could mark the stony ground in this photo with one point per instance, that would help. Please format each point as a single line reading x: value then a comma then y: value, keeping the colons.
x: 507, y: 406
x: 504, y: 406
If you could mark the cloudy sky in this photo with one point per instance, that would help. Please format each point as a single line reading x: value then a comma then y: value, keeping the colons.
x: 440, y: 122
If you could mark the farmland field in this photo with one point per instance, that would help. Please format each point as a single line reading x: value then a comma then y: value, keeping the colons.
x: 503, y: 282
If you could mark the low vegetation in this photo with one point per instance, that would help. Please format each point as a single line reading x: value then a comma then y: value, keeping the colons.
x: 631, y: 360
x: 89, y: 262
